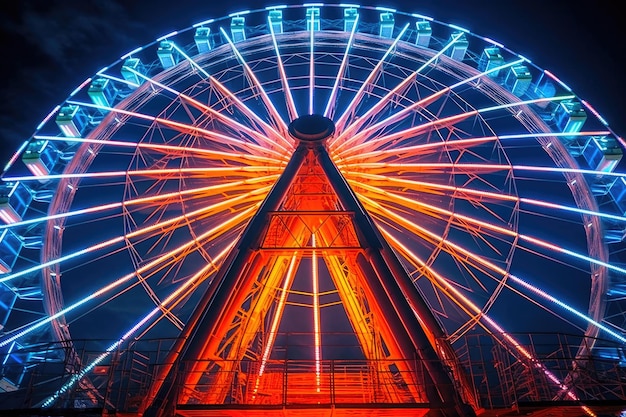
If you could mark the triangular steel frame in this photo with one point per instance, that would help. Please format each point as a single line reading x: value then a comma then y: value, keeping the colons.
x: 417, y: 336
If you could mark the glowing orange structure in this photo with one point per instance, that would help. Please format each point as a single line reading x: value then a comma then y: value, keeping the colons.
x: 312, y: 311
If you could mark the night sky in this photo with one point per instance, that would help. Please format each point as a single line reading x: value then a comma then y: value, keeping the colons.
x: 51, y: 46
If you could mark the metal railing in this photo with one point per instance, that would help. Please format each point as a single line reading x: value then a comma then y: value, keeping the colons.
x: 124, y: 381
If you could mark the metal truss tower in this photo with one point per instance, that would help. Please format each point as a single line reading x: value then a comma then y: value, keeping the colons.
x: 313, y: 299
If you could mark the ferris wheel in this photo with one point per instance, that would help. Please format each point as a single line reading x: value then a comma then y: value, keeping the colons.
x: 495, y: 185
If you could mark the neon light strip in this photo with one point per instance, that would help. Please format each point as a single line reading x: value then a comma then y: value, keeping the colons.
x: 268, y: 103
x: 218, y: 188
x: 595, y: 113
x: 149, y: 172
x: 493, y: 267
x: 191, y: 61
x: 329, y: 112
x: 129, y: 54
x: 237, y: 218
x: 244, y: 12
x: 311, y: 63
x: 357, y: 97
x: 574, y: 170
x: 182, y: 127
x: 233, y: 124
x: 377, y: 107
x: 451, y: 120
x: 502, y: 230
x: 426, y: 186
x: 407, y: 150
x: 275, y: 322
x: 571, y: 253
x: 80, y: 87
x: 120, y: 80
x: 316, y: 315
x: 226, y: 203
x: 291, y: 105
x: 16, y: 155
x: 572, y: 209
x: 567, y: 307
x: 120, y: 239
x: 94, y: 209
x: 396, y: 117
x: 252, y: 115
x: 204, y: 22
x: 41, y: 266
x: 228, y: 93
x: 114, y: 347
x: 169, y: 35
x: 168, y: 148
x: 480, y: 315
x: 555, y: 78
x: 45, y: 120
x: 488, y: 167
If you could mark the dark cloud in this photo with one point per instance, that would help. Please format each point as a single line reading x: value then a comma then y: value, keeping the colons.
x: 53, y: 45
x: 60, y: 32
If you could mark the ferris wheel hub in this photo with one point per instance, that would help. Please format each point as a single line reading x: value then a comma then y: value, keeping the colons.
x: 311, y: 128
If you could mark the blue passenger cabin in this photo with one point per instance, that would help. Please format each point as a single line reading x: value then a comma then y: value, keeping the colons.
x: 15, y: 197
x: 202, y: 38
x: 72, y: 121
x: 424, y: 33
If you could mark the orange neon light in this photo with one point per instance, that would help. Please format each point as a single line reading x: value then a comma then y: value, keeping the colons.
x: 275, y: 322
x: 316, y: 315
